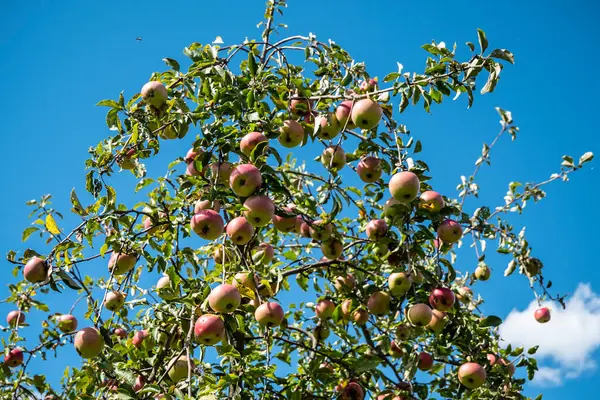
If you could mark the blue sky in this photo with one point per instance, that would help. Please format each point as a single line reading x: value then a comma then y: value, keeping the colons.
x: 58, y: 61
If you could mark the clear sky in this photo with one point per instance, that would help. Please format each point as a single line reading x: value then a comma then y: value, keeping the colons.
x: 58, y: 59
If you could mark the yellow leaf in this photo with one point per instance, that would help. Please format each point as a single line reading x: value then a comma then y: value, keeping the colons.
x: 51, y: 225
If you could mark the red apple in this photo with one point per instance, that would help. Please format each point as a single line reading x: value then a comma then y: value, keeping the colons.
x: 200, y: 205
x: 190, y: 158
x: 283, y: 223
x: 239, y: 230
x: 263, y: 253
x: 449, y: 231
x: 248, y: 280
x: 209, y: 329
x: 379, y: 303
x: 345, y: 283
x: 403, y: 332
x: 291, y: 134
x: 245, y: 179
x: 269, y: 314
x: 225, y: 298
x: 419, y: 314
x: 404, y: 186
x: 139, y: 337
x: 334, y: 157
x: 67, y: 323
x: 120, y: 332
x: 259, y: 210
x: 376, y: 229
x: 360, y: 316
x: 139, y: 384
x: 425, y: 362
x: 221, y: 172
x: 14, y: 358
x: 329, y: 126
x: 121, y: 264
x: 343, y: 113
x: 250, y: 141
x: 114, y: 301
x: 35, y: 270
x: 15, y: 318
x: 542, y: 315
x: 441, y: 299
x: 319, y: 230
x: 207, y: 224
x: 431, y: 201
x: 471, y: 375
x: 366, y: 114
x: 438, y: 321
x: 300, y: 107
x: 346, y: 309
x: 88, y: 342
x: 352, y: 391
x: 369, y: 169
x: 325, y: 309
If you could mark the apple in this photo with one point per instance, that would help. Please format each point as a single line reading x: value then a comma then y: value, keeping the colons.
x: 346, y: 309
x: 442, y: 299
x: 221, y: 171
x: 245, y: 179
x: 248, y: 280
x: 120, y: 332
x: 396, y: 350
x: 225, y: 298
x: 419, y: 314
x: 334, y: 157
x: 343, y: 113
x: 368, y: 84
x: 207, y: 224
x: 394, y: 208
x: 542, y: 315
x: 389, y: 395
x: 360, y: 316
x: 321, y: 332
x: 259, y: 210
x: 431, y: 201
x: 399, y: 283
x: 190, y: 158
x: 152, y: 227
x: 403, y: 332
x: 154, y: 93
x: 200, y: 205
x: 164, y: 289
x: 379, y: 303
x: 404, y: 186
x: 332, y: 248
x: 139, y: 337
x: 263, y: 253
x: 35, y: 270
x: 14, y: 358
x: 221, y: 254
x: 366, y: 114
x: 300, y: 107
x: 449, y: 231
x: 471, y: 375
x: 88, y: 342
x: 209, y: 329
x: 464, y: 294
x: 269, y: 314
x: 482, y: 272
x: 15, y: 318
x: 352, y: 391
x: 438, y: 321
x: 325, y: 309
x: 239, y: 230
x: 291, y: 134
x: 178, y: 369
x: 250, y: 141
x: 319, y: 230
x: 510, y: 367
x: 376, y: 229
x: 176, y: 130
x: 344, y: 283
x: 67, y: 323
x: 120, y: 263
x: 114, y: 301
x: 425, y: 362
x: 369, y: 169
x: 329, y: 126
x: 139, y: 384
x: 283, y: 223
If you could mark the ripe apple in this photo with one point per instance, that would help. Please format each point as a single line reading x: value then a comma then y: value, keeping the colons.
x: 209, y: 329
x: 441, y: 299
x: 482, y: 272
x: 14, y: 358
x: 366, y: 114
x: 325, y: 309
x: 542, y: 315
x: 269, y: 314
x: 35, y: 270
x: 178, y: 369
x: 245, y: 179
x: 425, y: 362
x: 449, y: 231
x: 343, y: 113
x: 283, y: 223
x: 121, y: 264
x: 250, y: 141
x: 329, y: 126
x: 369, y: 169
x: 152, y: 227
x: 67, y: 323
x: 394, y: 208
x: 438, y: 321
x: 300, y: 107
x: 379, y: 303
x: 332, y: 248
x: 471, y: 375
x: 259, y: 210
x: 164, y: 289
x: 464, y: 294
x: 190, y: 157
x: 221, y: 171
x: 403, y: 332
x: 404, y: 186
x: 419, y: 314
x: 248, y: 280
x: 399, y: 283
x: 139, y: 337
x: 154, y: 93
x: 368, y: 84
x: 15, y: 318
x: 360, y: 316
x: 225, y: 298
x: 291, y: 134
x: 352, y: 391
x: 114, y: 301
x: 120, y: 332
x: 321, y: 332
x: 396, y: 350
x: 334, y: 157
x: 88, y: 342
x: 207, y: 224
x: 200, y: 205
x: 320, y: 231
x: 239, y: 230
x: 431, y: 201
x: 263, y: 253
x: 346, y: 309
x: 139, y: 384
x: 376, y: 229
x: 345, y: 283
x: 221, y: 254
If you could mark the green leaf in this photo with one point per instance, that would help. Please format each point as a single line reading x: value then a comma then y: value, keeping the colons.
x: 27, y: 232
x: 172, y: 63
x: 589, y: 156
x: 533, y: 350
x: 483, y: 42
x: 108, y: 103
x: 492, y: 320
x: 67, y: 280
x: 77, y: 207
x: 252, y: 64
x: 503, y: 54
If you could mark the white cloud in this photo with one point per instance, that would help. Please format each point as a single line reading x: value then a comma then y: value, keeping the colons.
x: 566, y: 342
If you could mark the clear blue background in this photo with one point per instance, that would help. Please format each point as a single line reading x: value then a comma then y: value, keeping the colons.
x: 59, y: 58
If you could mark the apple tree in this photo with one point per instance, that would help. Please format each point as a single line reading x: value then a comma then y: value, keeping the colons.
x: 296, y: 251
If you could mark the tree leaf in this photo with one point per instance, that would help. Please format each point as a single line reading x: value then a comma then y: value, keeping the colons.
x: 492, y: 320
x: 483, y: 42
x: 77, y: 207
x: 51, y: 225
x: 67, y: 279
x: 27, y: 232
